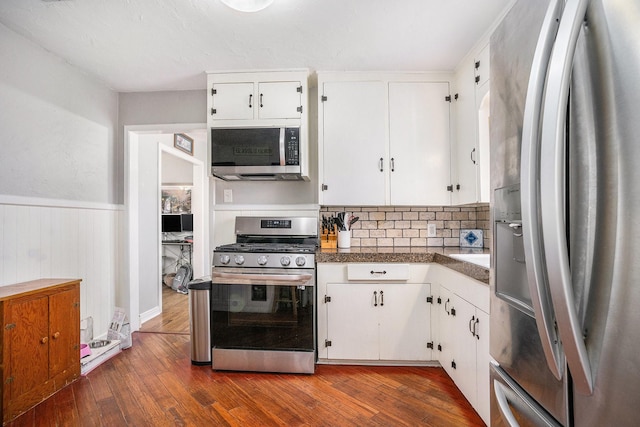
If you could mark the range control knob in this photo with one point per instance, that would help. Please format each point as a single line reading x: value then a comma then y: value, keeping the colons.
x: 285, y: 261
x: 239, y: 259
x: 301, y: 261
x: 224, y: 259
x: 262, y: 260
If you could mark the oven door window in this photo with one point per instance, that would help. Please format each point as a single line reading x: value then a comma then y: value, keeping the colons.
x: 262, y: 316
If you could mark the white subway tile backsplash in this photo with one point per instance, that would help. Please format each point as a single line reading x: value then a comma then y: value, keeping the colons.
x: 389, y: 226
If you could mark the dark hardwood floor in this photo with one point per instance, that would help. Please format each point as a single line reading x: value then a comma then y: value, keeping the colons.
x: 154, y: 384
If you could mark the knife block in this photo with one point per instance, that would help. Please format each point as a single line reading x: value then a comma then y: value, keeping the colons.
x: 328, y: 240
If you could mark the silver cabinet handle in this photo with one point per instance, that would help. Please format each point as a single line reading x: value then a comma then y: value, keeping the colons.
x: 375, y: 298
x: 475, y: 328
x: 552, y: 205
x: 381, y: 298
x: 393, y: 165
x: 250, y: 100
x: 472, y: 153
x: 471, y: 323
x: 381, y: 164
x: 261, y: 101
x: 530, y: 197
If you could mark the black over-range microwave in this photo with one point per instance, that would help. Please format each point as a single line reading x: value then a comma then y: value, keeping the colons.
x: 256, y: 153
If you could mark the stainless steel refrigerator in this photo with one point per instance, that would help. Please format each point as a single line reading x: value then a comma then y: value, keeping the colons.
x: 565, y: 162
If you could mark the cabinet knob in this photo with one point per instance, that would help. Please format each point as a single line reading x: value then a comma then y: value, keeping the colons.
x: 44, y: 340
x: 56, y: 335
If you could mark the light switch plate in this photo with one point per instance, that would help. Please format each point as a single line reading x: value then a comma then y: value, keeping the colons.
x: 228, y: 196
x: 431, y: 230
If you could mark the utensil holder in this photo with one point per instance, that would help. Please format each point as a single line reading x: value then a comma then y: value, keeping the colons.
x: 344, y: 239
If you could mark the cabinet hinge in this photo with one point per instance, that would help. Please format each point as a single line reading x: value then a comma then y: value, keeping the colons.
x: 455, y: 96
x: 9, y: 326
x: 439, y: 347
x: 447, y: 98
x: 477, y: 64
x: 439, y: 300
x: 213, y: 111
x: 430, y: 300
x: 477, y: 79
x: 213, y: 91
x: 450, y: 188
x: 299, y: 109
x: 327, y: 299
x: 430, y: 345
x: 324, y: 187
x: 327, y: 343
x: 299, y: 89
x: 458, y: 187
x: 453, y: 311
x: 323, y: 98
x: 453, y: 364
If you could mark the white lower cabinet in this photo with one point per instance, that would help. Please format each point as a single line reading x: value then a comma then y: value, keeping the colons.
x: 399, y: 313
x: 378, y: 321
x: 462, y: 306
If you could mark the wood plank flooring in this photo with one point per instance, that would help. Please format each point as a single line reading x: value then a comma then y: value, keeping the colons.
x: 154, y: 384
x: 174, y: 318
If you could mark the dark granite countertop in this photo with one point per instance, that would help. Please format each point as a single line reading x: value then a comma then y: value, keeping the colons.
x: 408, y: 255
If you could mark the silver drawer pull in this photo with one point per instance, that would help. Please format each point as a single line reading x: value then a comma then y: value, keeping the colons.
x: 379, y: 272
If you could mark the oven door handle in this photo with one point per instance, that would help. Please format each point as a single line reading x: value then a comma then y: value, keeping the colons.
x: 289, y: 279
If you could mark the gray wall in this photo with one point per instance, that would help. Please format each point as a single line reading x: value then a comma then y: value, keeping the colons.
x: 57, y: 127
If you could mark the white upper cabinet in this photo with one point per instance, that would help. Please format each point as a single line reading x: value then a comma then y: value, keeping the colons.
x: 419, y: 145
x: 383, y: 139
x: 471, y: 147
x: 354, y: 148
x: 260, y: 96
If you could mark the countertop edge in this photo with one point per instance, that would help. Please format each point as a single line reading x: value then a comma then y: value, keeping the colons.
x: 436, y: 256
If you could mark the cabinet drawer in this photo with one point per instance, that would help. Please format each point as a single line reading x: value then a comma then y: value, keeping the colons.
x: 378, y: 272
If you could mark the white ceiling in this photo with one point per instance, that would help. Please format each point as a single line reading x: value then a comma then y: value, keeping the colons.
x: 150, y: 45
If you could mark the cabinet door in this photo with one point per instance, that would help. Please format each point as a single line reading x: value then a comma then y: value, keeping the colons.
x: 233, y: 101
x: 464, y: 348
x: 28, y: 345
x: 352, y: 321
x: 420, y: 149
x: 482, y: 66
x: 354, y: 141
x: 279, y: 100
x: 482, y: 365
x: 466, y: 153
x: 64, y: 332
x: 447, y: 331
x: 404, y: 322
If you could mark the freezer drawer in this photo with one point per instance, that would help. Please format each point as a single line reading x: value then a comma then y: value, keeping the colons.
x: 512, y: 406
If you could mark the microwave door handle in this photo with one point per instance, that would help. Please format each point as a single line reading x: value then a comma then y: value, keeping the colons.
x: 553, y: 204
x: 283, y: 160
x: 530, y: 197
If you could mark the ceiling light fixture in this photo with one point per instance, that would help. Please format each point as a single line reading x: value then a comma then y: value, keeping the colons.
x: 247, y: 5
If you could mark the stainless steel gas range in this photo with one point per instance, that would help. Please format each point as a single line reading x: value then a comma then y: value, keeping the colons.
x: 263, y: 296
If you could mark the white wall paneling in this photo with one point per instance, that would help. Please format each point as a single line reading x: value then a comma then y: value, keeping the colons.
x: 64, y: 242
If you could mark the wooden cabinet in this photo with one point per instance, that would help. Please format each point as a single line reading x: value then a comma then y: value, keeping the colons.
x: 462, y: 306
x: 40, y: 341
x: 383, y: 140
x: 471, y: 158
x: 257, y: 96
x: 374, y: 318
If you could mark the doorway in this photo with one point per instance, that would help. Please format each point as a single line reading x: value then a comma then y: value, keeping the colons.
x: 144, y: 147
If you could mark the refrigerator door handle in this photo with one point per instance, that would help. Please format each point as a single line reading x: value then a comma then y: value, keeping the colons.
x: 503, y: 404
x: 530, y: 193
x: 552, y: 182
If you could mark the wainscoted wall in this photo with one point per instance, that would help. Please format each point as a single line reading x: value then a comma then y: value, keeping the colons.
x: 64, y: 242
x: 407, y: 226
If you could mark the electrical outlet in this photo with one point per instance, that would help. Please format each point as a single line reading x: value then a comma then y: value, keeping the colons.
x: 431, y: 230
x: 228, y: 196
